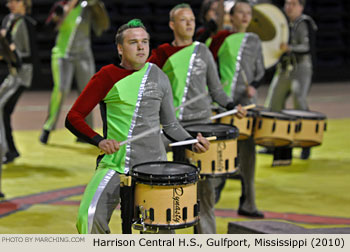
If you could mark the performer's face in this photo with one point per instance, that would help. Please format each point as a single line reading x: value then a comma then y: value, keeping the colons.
x: 16, y: 7
x: 293, y: 9
x: 212, y: 12
x: 242, y: 16
x: 183, y: 23
x: 135, y: 48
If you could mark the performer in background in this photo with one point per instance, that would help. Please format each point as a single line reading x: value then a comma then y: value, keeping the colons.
x: 72, y: 55
x: 134, y: 97
x: 211, y: 17
x: 294, y: 72
x: 18, y: 32
x: 241, y: 67
x: 191, y: 70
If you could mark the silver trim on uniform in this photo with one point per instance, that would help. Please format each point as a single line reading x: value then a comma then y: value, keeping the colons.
x: 133, y: 122
x: 188, y: 78
x: 97, y: 195
x: 238, y: 65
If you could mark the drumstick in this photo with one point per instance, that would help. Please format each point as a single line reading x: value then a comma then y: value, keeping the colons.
x: 231, y: 112
x: 192, y: 141
x: 141, y: 135
x: 196, y: 98
x: 245, y: 79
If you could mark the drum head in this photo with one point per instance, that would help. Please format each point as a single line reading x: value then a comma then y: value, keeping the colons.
x: 303, y: 114
x: 271, y: 16
x: 221, y: 131
x: 277, y: 115
x: 165, y: 173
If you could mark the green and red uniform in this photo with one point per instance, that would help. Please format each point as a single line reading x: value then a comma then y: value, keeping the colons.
x: 131, y: 102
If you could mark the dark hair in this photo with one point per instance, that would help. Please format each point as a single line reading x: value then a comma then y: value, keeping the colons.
x: 302, y: 2
x: 205, y: 7
x: 232, y: 10
x: 176, y: 7
x: 134, y: 23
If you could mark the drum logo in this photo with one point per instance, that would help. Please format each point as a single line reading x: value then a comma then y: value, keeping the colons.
x: 221, y: 148
x: 177, y: 193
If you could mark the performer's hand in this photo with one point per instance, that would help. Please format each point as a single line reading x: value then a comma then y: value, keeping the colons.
x: 12, y: 47
x: 109, y: 146
x: 3, y: 32
x: 251, y: 91
x: 202, y: 145
x: 241, y: 112
x: 284, y: 47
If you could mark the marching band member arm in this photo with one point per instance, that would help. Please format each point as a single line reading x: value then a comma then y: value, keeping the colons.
x: 214, y: 84
x: 302, y: 40
x: 93, y: 93
x: 171, y: 127
x: 259, y: 68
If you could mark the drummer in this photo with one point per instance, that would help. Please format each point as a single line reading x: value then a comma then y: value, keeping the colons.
x: 294, y: 72
x: 241, y: 67
x: 191, y: 69
x: 134, y: 97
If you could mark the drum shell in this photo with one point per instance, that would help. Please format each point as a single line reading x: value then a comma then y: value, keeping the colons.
x: 309, y: 127
x: 219, y: 160
x: 273, y: 132
x: 166, y: 193
x: 244, y: 125
x: 177, y: 198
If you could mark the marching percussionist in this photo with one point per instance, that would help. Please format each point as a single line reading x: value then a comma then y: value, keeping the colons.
x: 241, y: 67
x: 134, y: 97
x: 72, y: 55
x: 18, y: 49
x: 294, y: 72
x: 191, y: 70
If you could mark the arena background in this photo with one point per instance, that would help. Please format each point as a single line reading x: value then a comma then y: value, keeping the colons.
x: 44, y: 186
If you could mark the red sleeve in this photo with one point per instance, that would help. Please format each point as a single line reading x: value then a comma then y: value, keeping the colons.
x: 94, y: 92
x: 161, y: 54
x: 217, y: 41
x: 158, y: 57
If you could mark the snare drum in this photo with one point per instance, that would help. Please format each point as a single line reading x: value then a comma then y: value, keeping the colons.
x: 309, y: 127
x: 166, y: 194
x: 244, y: 125
x: 273, y: 129
x: 221, y: 158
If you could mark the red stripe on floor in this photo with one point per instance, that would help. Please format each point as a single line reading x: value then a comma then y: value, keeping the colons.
x: 8, y: 206
x: 300, y: 218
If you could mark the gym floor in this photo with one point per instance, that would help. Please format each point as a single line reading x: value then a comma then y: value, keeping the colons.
x: 44, y: 185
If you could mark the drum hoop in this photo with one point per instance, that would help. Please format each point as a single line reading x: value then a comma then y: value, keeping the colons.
x: 173, y: 226
x: 178, y: 179
x: 219, y: 135
x: 219, y: 175
x: 282, y: 116
x: 315, y: 116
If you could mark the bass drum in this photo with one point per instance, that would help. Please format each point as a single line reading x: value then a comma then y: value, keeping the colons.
x: 271, y: 25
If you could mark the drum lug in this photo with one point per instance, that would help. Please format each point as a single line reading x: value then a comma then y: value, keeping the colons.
x: 140, y: 224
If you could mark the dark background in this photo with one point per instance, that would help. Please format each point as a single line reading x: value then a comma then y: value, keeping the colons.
x: 331, y: 16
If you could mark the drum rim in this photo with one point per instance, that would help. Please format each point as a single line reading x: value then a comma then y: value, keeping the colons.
x: 282, y: 116
x: 174, y: 226
x: 180, y: 179
x: 220, y: 136
x: 316, y: 115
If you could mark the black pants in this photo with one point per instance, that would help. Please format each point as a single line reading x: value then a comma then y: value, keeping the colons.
x: 8, y: 110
